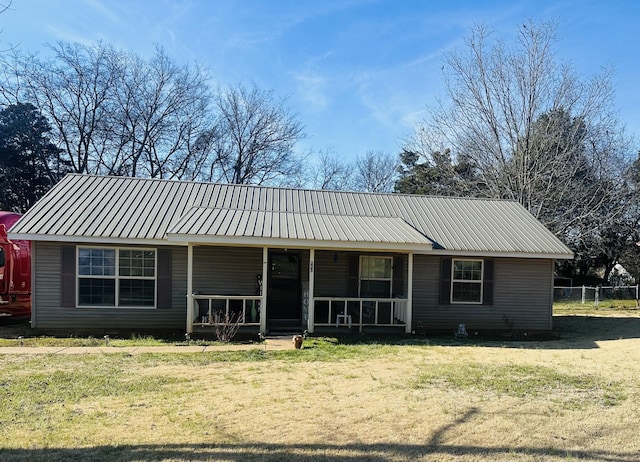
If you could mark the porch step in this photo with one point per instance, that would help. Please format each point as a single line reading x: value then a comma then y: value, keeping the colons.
x: 285, y: 326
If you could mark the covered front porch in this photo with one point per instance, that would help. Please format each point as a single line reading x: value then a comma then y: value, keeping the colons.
x: 291, y: 290
x: 291, y: 271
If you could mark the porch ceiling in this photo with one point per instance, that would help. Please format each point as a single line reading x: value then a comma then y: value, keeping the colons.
x: 259, y: 227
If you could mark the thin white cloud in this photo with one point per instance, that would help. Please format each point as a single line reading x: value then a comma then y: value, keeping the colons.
x: 71, y: 36
x: 312, y: 88
x: 105, y: 12
x: 410, y: 119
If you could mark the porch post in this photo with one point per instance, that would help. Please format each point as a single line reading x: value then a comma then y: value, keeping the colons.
x: 189, y: 288
x: 311, y: 304
x: 263, y: 302
x: 409, y: 326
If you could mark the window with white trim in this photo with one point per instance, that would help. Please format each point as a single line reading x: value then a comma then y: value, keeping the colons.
x: 375, y: 276
x: 466, y: 281
x: 116, y: 277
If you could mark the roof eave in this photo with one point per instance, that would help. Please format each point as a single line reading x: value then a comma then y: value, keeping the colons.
x: 301, y: 243
x: 504, y: 254
x: 181, y: 240
x: 91, y: 239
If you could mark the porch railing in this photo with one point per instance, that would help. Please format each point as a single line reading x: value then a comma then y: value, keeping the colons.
x: 211, y: 310
x: 359, y: 312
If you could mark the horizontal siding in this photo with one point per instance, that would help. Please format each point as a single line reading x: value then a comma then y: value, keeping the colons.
x: 521, y: 301
x: 522, y: 290
x: 51, y: 315
x: 179, y: 282
x: 330, y: 274
x: 226, y: 270
x: 426, y: 287
x: 47, y: 290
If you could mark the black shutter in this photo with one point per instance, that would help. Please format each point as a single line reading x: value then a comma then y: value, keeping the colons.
x: 353, y: 276
x: 68, y: 275
x: 164, y: 278
x: 398, y: 276
x: 487, y: 289
x: 445, y: 281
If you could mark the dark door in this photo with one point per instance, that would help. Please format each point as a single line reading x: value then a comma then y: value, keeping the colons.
x: 284, y: 293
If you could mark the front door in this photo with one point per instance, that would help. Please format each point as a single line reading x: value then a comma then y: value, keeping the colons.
x: 284, y: 293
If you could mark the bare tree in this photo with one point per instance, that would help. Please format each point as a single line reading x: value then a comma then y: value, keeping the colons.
x: 526, y: 128
x: 332, y: 172
x: 161, y: 110
x: 529, y: 127
x: 4, y: 6
x: 253, y: 138
x: 376, y: 172
x: 71, y: 90
x: 114, y: 112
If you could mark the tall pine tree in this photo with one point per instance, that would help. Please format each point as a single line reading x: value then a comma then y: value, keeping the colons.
x: 28, y: 160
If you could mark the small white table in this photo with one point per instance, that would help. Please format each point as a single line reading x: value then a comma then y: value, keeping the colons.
x: 346, y: 319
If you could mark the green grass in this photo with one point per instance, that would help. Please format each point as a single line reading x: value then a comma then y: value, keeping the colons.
x: 315, y: 349
x: 48, y: 386
x: 605, y: 307
x: 43, y: 388
x: 135, y: 340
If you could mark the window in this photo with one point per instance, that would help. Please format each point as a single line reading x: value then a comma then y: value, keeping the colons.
x: 116, y: 277
x: 375, y: 276
x: 466, y: 281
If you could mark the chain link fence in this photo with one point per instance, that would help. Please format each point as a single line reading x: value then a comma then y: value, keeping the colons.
x: 596, y: 295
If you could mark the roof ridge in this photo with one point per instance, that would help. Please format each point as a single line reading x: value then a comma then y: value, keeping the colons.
x: 291, y: 188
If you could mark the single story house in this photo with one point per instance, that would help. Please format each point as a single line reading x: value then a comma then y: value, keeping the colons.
x: 130, y: 253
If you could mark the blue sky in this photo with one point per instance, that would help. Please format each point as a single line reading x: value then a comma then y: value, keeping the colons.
x: 359, y: 73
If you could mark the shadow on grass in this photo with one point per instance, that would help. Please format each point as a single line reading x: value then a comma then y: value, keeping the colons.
x: 569, y: 332
x: 433, y: 446
x: 303, y: 452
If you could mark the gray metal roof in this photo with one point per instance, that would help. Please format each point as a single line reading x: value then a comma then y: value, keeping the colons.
x: 211, y: 225
x: 86, y: 208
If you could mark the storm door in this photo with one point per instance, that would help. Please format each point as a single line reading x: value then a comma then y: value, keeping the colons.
x: 284, y: 294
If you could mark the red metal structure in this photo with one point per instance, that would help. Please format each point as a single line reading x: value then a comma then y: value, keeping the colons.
x: 15, y: 272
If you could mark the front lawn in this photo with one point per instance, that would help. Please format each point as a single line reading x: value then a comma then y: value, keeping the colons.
x: 573, y: 397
